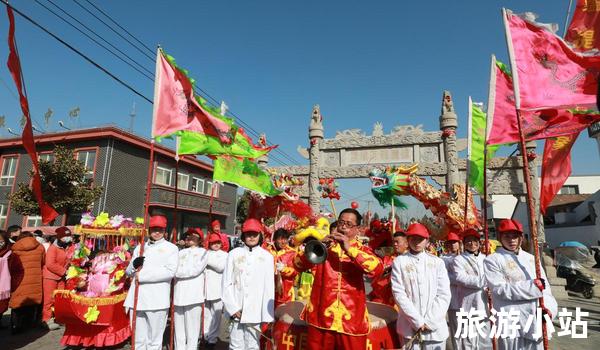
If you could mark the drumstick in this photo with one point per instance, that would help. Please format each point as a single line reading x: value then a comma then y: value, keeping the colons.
x: 271, y: 340
x: 411, y: 341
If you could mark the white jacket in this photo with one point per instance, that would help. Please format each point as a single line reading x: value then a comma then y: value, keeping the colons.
x: 448, y: 262
x: 214, y: 273
x: 470, y: 282
x: 248, y: 284
x: 189, y: 279
x: 160, y: 265
x: 422, y: 291
x: 510, y: 278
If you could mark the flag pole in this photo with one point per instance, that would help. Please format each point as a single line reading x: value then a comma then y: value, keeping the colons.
x: 526, y: 172
x: 567, y: 18
x: 468, y: 165
x: 142, y: 241
x: 174, y: 240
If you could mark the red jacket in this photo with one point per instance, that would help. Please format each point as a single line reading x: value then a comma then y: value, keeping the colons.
x: 382, y: 284
x: 26, y: 273
x: 284, y: 280
x: 337, y: 301
x: 56, y: 262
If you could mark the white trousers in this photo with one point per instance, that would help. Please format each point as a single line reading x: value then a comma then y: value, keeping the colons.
x: 213, y: 310
x: 244, y: 336
x: 429, y: 345
x: 477, y: 342
x: 519, y: 344
x: 452, y: 326
x: 149, y: 329
x: 187, y: 326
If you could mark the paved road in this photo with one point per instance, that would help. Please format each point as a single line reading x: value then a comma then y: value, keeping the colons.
x: 38, y: 339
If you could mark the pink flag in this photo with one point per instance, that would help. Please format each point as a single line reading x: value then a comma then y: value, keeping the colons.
x: 175, y: 107
x: 547, y: 73
x: 540, y: 124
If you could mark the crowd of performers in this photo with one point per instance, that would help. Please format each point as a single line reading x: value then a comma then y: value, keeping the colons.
x: 241, y: 288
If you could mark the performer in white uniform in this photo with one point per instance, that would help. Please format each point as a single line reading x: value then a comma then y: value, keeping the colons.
x: 188, y: 294
x: 422, y: 291
x: 470, y: 293
x: 213, y: 307
x: 510, y: 275
x: 249, y: 288
x: 452, y: 249
x: 154, y: 271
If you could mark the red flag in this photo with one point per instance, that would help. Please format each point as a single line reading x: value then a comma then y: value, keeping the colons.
x: 582, y: 31
x: 14, y: 66
x: 547, y: 73
x: 556, y: 167
x: 541, y: 124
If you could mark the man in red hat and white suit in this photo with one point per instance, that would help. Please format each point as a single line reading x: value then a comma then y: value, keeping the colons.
x: 470, y: 291
x: 154, y: 272
x: 249, y: 288
x: 188, y: 293
x: 215, y: 227
x: 422, y: 291
x: 336, y: 312
x: 213, y: 307
x: 511, y: 277
x: 452, y: 249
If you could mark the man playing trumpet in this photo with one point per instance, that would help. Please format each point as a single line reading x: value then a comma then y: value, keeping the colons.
x: 336, y: 312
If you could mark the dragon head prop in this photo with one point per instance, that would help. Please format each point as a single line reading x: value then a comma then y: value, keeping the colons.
x: 390, y: 183
x: 287, y: 184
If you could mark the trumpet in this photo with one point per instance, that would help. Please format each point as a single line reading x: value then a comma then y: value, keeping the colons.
x: 315, y: 251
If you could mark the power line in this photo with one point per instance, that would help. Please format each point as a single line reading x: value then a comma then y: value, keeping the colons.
x: 147, y: 75
x: 201, y: 92
x: 119, y: 34
x: 81, y: 54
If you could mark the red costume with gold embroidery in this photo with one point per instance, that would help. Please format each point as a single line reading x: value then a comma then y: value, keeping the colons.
x: 382, y: 284
x: 284, y: 279
x: 338, y: 301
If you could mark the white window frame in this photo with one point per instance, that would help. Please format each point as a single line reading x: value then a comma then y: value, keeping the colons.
x: 179, y: 182
x: 170, y: 171
x: 89, y: 172
x: 46, y: 156
x: 9, y: 180
x: 3, y: 215
x: 37, y: 221
x: 195, y: 187
x: 209, y: 186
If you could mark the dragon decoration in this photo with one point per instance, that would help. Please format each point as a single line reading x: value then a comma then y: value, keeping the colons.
x: 449, y: 209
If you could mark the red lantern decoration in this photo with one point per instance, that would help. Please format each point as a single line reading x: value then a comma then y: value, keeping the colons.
x: 354, y: 205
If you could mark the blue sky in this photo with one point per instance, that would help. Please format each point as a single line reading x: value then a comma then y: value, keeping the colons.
x: 363, y: 62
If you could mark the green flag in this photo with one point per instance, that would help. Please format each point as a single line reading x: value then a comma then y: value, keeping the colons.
x: 476, y: 140
x: 191, y: 142
x: 244, y: 173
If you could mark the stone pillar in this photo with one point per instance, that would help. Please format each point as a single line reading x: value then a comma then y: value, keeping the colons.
x: 448, y: 124
x: 535, y: 190
x: 315, y: 135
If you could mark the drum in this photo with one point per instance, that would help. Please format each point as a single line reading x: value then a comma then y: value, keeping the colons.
x: 289, y: 331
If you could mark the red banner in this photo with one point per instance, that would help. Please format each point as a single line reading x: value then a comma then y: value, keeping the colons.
x: 584, y: 29
x: 556, y: 167
x: 14, y: 66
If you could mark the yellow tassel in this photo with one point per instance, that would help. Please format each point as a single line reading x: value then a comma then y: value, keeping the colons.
x: 99, y: 301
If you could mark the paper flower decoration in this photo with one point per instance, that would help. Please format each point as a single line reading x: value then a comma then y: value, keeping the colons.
x: 116, y: 221
x: 87, y: 219
x: 92, y: 314
x: 139, y: 221
x: 101, y: 220
x: 73, y: 271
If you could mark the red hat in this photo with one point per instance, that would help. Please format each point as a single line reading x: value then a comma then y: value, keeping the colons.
x: 470, y: 232
x: 252, y: 225
x: 215, y: 223
x: 510, y: 225
x: 214, y: 237
x: 195, y: 231
x: 452, y: 236
x: 158, y: 221
x: 62, y: 231
x: 417, y: 229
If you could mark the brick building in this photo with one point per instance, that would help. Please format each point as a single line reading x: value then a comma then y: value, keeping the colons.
x: 118, y: 161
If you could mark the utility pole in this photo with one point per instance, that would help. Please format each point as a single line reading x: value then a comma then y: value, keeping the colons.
x: 132, y: 117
